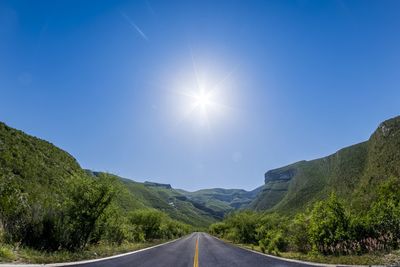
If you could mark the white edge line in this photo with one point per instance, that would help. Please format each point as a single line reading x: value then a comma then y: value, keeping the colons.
x: 90, y: 261
x: 292, y: 260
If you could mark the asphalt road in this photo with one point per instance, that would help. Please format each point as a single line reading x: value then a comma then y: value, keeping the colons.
x: 197, y: 249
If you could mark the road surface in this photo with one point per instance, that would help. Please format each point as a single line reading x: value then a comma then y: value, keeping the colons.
x: 197, y: 249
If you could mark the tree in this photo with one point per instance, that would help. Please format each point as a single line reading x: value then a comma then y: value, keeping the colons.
x: 14, y: 209
x: 329, y: 225
x: 298, y: 233
x: 384, y: 215
x: 243, y: 226
x: 86, y: 201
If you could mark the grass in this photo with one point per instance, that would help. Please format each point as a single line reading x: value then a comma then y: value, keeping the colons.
x: 392, y: 258
x: 27, y: 255
x: 6, y: 253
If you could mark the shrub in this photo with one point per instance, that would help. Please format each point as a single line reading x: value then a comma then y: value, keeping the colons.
x: 149, y: 221
x: 153, y: 224
x: 219, y: 229
x: 65, y: 222
x: 274, y: 241
x: 14, y: 209
x: 299, y: 239
x: 329, y: 225
x: 6, y: 253
x: 383, y: 219
x: 242, y: 227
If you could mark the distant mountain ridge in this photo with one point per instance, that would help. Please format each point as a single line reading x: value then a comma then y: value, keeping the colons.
x: 353, y: 173
x: 223, y: 200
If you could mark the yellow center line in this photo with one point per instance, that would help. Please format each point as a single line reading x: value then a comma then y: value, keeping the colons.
x: 196, y: 254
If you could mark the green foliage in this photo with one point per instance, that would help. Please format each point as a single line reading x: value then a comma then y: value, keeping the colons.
x: 273, y: 242
x: 243, y: 227
x: 330, y: 228
x: 149, y: 222
x: 383, y: 219
x: 219, y: 229
x: 14, y: 209
x: 6, y: 253
x: 113, y: 227
x: 271, y: 233
x: 66, y: 222
x: 86, y: 201
x: 299, y: 239
x: 329, y: 225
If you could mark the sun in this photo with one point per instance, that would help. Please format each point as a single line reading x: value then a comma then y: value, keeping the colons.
x: 202, y: 99
x: 201, y: 104
x: 203, y: 94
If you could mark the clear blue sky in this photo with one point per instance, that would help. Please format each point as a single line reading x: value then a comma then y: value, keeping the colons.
x: 106, y: 81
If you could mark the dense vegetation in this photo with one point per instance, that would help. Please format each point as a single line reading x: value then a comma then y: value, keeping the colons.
x: 47, y: 202
x: 331, y: 227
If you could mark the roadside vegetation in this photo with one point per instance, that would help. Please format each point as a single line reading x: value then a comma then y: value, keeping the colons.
x: 83, y: 222
x: 330, y: 231
x: 80, y: 219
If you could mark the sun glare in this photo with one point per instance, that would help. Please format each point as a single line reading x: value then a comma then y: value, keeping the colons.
x: 202, y: 99
x: 202, y: 104
x: 203, y: 94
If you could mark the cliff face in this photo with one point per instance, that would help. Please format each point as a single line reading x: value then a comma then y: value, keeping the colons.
x: 166, y: 186
x: 277, y: 183
x: 281, y: 174
x: 353, y: 173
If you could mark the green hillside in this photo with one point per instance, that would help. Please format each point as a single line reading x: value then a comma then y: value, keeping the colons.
x: 353, y: 173
x: 37, y: 164
x: 222, y: 201
x: 135, y: 195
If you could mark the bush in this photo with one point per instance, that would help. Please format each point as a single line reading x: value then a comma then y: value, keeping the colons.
x: 14, y: 209
x: 299, y: 239
x: 149, y: 221
x: 242, y: 227
x: 85, y: 203
x: 273, y: 242
x: 219, y: 229
x: 41, y: 222
x: 329, y: 226
x: 152, y: 224
x: 113, y: 227
x: 6, y: 253
x: 383, y: 219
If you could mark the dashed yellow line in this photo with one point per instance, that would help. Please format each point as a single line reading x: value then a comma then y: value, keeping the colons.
x: 196, y: 254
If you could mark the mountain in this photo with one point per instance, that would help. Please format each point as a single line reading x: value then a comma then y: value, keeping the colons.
x: 136, y: 195
x: 42, y: 172
x: 353, y: 173
x: 38, y: 167
x: 222, y: 200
